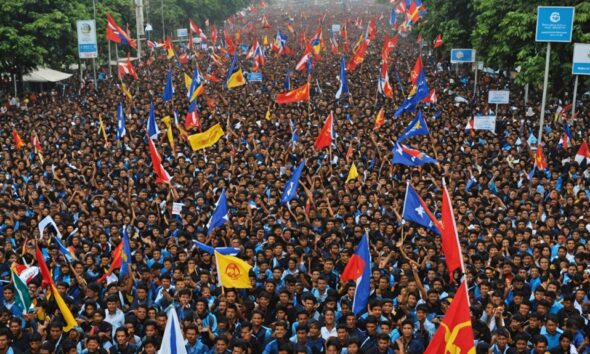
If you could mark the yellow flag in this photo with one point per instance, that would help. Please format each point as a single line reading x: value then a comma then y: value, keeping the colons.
x: 232, y: 272
x: 188, y: 81
x: 205, y: 139
x: 236, y: 79
x: 101, y: 129
x: 352, y: 173
x: 265, y: 40
x: 63, y: 308
x: 126, y: 92
x: 168, y: 122
x: 267, y: 115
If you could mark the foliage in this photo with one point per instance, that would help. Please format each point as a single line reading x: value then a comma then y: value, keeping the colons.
x: 43, y: 32
x: 503, y: 33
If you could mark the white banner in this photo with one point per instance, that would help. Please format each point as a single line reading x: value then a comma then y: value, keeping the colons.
x: 87, y: 48
x: 499, y: 97
x: 484, y: 123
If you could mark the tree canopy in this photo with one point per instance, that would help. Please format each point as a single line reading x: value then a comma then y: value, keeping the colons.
x: 43, y: 32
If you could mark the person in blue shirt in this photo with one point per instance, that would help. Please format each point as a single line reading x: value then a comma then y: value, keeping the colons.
x: 551, y: 331
x: 280, y: 332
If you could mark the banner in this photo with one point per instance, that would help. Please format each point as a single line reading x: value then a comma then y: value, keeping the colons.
x: 87, y: 48
x: 484, y: 123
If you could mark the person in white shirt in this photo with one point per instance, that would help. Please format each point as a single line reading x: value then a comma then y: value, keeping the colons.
x: 113, y: 314
x: 329, y: 328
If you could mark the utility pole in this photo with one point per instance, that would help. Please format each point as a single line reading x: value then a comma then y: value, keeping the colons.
x: 139, y: 24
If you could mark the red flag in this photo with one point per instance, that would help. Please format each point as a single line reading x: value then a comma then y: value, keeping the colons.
x: 307, y: 54
x: 116, y: 34
x: 299, y: 94
x: 371, y: 29
x: 448, y: 230
x: 265, y: 23
x: 384, y: 87
x: 117, y: 259
x: 231, y: 48
x: 358, y: 57
x: 344, y: 34
x: 196, y: 30
x: 192, y: 117
x: 431, y: 97
x: 46, y: 280
x: 213, y: 34
x: 127, y: 68
x: 583, y: 153
x: 325, y: 137
x: 17, y: 140
x: 379, y: 119
x: 438, y: 41
x: 416, y: 71
x: 540, y: 160
x: 455, y: 335
x: 161, y: 175
x: 37, y: 144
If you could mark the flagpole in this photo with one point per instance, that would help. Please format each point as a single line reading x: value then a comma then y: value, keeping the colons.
x: 110, y: 68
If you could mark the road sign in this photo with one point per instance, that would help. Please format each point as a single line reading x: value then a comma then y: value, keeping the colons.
x: 336, y: 28
x: 554, y: 23
x: 581, y: 62
x: 181, y: 32
x: 87, y: 48
x: 499, y: 97
x: 462, y: 55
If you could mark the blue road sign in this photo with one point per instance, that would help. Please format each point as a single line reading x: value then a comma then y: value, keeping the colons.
x: 555, y: 23
x: 255, y: 77
x: 462, y: 55
x: 581, y: 62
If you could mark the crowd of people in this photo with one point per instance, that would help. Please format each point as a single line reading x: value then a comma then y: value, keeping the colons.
x: 524, y: 237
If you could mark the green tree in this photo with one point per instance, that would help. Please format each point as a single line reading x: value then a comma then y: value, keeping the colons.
x: 453, y: 19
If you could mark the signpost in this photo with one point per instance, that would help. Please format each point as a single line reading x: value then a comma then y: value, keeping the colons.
x: 87, y: 48
x: 182, y: 32
x: 464, y: 55
x: 554, y: 24
x: 580, y: 66
x: 498, y: 97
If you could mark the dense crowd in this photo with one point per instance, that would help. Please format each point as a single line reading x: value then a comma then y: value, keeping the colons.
x: 524, y: 237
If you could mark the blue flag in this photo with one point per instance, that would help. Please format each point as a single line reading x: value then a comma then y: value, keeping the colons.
x: 121, y: 131
x: 172, y: 340
x: 417, y: 127
x: 405, y: 155
x: 226, y: 251
x: 343, y: 88
x: 232, y: 67
x: 152, y: 127
x: 419, y: 92
x: 358, y: 270
x: 392, y: 17
x: 220, y: 215
x: 63, y: 249
x: 290, y: 190
x: 416, y: 210
x: 287, y: 84
x: 169, y: 89
x: 126, y: 255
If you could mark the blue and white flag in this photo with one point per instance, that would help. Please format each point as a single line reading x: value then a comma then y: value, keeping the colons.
x: 343, y: 88
x: 290, y: 190
x: 70, y: 257
x: 121, y: 131
x: 416, y: 210
x: 405, y: 155
x: 152, y: 127
x: 168, y: 89
x: 173, y: 340
x: 226, y: 251
x: 416, y: 127
x: 220, y: 215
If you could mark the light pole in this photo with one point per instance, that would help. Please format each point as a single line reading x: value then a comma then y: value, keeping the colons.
x: 94, y: 59
x: 139, y: 24
x: 163, y: 28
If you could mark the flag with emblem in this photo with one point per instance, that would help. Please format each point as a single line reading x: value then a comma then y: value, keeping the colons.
x: 299, y: 94
x: 408, y: 156
x: 416, y: 127
x: 22, y: 298
x: 455, y: 334
x: 416, y: 210
x: 232, y: 272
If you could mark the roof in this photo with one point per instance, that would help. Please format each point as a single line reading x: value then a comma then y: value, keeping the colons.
x: 45, y: 75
